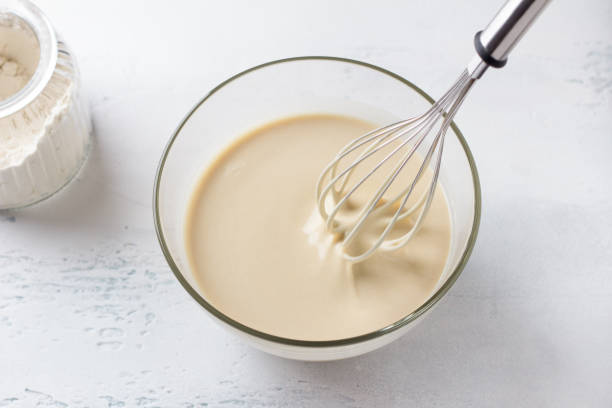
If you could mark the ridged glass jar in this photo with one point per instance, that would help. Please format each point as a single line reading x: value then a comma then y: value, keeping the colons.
x: 45, y: 127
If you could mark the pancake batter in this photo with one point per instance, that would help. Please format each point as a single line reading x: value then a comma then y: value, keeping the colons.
x: 261, y: 255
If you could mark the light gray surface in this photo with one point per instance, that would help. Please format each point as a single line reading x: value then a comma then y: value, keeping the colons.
x: 90, y: 315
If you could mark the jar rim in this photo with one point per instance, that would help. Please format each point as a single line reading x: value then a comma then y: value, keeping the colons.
x: 37, y: 21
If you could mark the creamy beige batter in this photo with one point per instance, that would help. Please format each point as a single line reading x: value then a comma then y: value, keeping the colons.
x: 261, y: 255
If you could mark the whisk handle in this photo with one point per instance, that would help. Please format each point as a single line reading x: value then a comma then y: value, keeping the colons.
x: 494, y: 43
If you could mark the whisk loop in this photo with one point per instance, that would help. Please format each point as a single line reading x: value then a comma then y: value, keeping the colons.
x: 334, y: 188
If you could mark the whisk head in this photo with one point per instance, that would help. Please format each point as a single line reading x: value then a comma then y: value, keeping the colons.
x: 403, y: 181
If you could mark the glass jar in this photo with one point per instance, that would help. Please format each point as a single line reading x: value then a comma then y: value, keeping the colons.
x: 45, y: 127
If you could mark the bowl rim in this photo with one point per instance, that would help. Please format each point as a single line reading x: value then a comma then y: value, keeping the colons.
x: 411, y: 317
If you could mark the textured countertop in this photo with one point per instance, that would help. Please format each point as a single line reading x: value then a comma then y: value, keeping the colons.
x: 91, y: 316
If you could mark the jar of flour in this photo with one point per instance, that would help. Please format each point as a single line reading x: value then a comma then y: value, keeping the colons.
x: 45, y: 129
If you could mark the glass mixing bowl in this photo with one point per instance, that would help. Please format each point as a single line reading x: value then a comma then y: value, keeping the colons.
x: 296, y: 86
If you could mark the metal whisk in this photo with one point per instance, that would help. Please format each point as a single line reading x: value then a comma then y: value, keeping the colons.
x: 334, y: 189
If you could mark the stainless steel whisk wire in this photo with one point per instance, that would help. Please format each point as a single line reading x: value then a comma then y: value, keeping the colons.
x: 492, y: 46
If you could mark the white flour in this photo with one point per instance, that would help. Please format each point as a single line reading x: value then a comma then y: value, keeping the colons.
x: 13, y: 77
